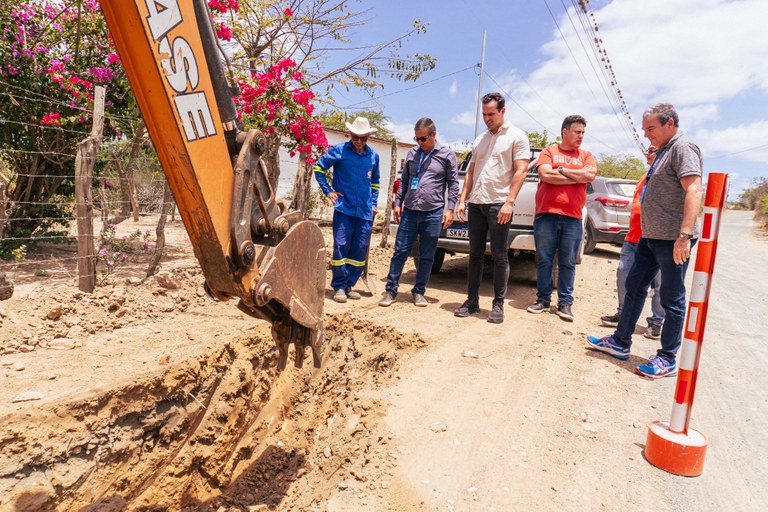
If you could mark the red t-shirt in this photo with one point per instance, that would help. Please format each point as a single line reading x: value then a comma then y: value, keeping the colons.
x: 565, y: 200
x: 635, y: 231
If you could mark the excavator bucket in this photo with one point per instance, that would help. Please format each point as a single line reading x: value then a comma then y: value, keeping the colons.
x: 247, y: 246
x: 293, y: 277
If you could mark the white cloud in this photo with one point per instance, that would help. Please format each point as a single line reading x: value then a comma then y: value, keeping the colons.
x: 403, y: 131
x: 693, y: 53
x: 745, y: 142
x: 453, y: 89
x: 466, y: 118
x: 458, y: 145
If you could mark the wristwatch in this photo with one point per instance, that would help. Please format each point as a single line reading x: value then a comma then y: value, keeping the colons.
x: 684, y: 236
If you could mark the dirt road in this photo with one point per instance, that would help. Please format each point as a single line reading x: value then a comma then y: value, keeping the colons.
x: 540, y: 423
x: 165, y: 400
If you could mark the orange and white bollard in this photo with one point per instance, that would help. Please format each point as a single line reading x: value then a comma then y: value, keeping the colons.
x: 674, y: 446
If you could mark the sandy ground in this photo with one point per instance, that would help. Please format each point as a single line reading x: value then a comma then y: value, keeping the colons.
x: 153, y: 396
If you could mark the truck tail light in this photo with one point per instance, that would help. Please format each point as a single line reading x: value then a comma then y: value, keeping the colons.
x: 609, y: 201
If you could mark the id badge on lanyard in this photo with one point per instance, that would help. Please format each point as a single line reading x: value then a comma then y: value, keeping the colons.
x: 650, y: 173
x: 415, y: 179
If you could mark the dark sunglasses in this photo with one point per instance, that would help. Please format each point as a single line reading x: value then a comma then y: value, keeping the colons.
x: 421, y: 139
x: 360, y: 137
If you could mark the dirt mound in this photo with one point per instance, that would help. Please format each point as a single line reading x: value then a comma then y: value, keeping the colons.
x: 220, y: 429
x: 60, y: 317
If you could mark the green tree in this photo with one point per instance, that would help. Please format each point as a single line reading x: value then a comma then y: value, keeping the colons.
x: 620, y: 166
x: 750, y: 198
x: 541, y: 140
x: 309, y: 32
x: 52, y: 54
x: 314, y: 33
x: 337, y: 119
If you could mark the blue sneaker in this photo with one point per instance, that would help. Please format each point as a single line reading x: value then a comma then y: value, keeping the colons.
x: 657, y: 367
x: 608, y: 345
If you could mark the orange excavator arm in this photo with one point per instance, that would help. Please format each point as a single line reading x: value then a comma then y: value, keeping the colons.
x: 247, y: 246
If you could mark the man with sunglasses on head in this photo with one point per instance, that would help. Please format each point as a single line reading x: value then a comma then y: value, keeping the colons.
x: 354, y: 193
x: 496, y: 173
x: 421, y: 208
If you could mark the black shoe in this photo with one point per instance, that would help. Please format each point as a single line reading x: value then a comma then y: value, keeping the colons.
x: 539, y: 307
x: 469, y: 307
x: 610, y: 320
x: 653, y: 332
x: 496, y: 316
x: 564, y: 312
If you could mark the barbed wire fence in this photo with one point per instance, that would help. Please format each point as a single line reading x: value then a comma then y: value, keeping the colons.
x: 65, y: 244
x: 124, y: 246
x: 122, y: 201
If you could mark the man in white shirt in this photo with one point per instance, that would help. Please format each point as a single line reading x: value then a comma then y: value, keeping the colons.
x: 500, y: 157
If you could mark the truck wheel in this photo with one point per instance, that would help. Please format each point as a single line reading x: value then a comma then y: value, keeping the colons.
x: 439, y: 260
x: 589, y: 242
x: 582, y: 245
x: 436, y: 265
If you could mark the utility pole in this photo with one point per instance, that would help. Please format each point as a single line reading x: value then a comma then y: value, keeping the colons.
x: 480, y: 88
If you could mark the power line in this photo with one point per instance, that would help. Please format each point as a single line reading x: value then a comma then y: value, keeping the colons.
x: 739, y: 152
x: 531, y: 115
x: 601, y: 75
x: 586, y: 81
x: 606, y: 64
x: 509, y: 96
x: 375, y: 98
x: 575, y: 60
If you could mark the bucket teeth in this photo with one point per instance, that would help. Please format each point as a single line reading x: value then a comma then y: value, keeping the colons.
x: 287, y: 332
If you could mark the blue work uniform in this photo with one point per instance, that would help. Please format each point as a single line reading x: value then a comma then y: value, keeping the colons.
x: 356, y: 177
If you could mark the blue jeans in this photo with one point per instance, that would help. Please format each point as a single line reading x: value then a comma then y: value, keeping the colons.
x: 626, y: 260
x: 559, y: 234
x: 426, y: 226
x: 482, y: 227
x: 351, y: 237
x: 654, y: 256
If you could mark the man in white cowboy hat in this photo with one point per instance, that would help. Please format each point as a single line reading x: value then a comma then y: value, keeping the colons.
x: 354, y: 192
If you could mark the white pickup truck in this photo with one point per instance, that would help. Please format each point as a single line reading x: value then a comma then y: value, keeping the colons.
x: 455, y: 239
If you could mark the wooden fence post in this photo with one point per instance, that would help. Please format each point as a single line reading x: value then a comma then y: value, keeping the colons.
x: 388, y: 209
x: 84, y: 162
x: 2, y: 208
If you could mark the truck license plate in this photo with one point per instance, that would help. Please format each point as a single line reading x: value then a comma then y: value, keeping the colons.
x: 458, y: 233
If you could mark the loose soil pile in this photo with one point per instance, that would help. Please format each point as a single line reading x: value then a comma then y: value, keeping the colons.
x: 211, y: 424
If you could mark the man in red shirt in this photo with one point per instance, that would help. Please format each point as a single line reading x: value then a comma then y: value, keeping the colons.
x: 627, y: 258
x: 564, y: 171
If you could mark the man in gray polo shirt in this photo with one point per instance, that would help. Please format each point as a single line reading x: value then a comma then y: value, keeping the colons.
x: 421, y: 208
x: 496, y: 173
x: 671, y: 201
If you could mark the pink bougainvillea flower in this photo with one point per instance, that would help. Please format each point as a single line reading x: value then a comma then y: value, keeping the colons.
x: 224, y: 32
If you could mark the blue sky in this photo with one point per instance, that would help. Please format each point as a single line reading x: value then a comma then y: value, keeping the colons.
x: 707, y: 57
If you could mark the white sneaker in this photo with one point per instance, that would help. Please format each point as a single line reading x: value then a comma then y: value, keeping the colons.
x: 386, y: 299
x: 340, y: 296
